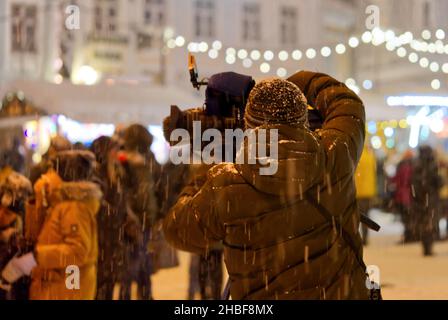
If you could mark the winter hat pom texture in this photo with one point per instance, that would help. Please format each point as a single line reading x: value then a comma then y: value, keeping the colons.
x: 276, y: 101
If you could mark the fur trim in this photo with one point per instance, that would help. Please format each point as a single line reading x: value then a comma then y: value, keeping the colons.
x: 77, y: 191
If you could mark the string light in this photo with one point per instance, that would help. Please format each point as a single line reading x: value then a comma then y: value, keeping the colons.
x: 213, y: 53
x: 424, y: 62
x: 413, y: 57
x: 230, y: 59
x: 268, y: 55
x: 265, y: 67
x: 217, y: 45
x: 340, y: 49
x: 242, y: 54
x: 247, y: 63
x: 283, y: 55
x: 401, y: 52
x: 180, y: 41
x: 426, y: 34
x: 255, y: 55
x: 310, y: 53
x: 367, y: 37
x: 434, y: 67
x: 325, y: 51
x: 440, y: 34
x: 353, y: 42
x: 281, y: 72
x: 297, y: 55
x: 435, y: 84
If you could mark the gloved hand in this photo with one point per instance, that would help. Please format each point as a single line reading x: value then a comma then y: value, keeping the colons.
x: 18, y: 267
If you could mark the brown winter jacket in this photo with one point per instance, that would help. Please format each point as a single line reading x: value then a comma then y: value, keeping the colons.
x: 68, y: 237
x: 277, y: 245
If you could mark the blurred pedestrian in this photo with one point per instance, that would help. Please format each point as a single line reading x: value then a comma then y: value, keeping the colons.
x: 402, y: 182
x: 14, y: 190
x: 140, y: 172
x: 111, y: 219
x: 426, y: 184
x: 366, y: 184
x: 13, y: 156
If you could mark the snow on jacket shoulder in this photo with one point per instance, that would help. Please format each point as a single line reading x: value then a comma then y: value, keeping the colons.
x: 276, y: 244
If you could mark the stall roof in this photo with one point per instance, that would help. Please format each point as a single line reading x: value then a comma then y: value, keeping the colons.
x: 103, y: 103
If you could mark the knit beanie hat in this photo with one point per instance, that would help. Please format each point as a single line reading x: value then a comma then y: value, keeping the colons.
x: 276, y: 101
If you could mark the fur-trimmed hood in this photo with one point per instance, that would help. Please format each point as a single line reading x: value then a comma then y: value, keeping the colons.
x: 83, y: 191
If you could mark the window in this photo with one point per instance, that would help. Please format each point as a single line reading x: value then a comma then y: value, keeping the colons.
x: 251, y: 22
x: 204, y: 18
x: 154, y: 12
x: 24, y: 24
x: 288, y: 26
x: 105, y: 16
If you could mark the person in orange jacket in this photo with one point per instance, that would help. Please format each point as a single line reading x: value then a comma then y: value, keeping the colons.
x: 68, y: 239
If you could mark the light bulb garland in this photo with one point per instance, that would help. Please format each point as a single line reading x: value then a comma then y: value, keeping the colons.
x: 376, y: 37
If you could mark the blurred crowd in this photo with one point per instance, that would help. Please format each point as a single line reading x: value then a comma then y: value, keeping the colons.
x: 412, y: 185
x: 98, y: 208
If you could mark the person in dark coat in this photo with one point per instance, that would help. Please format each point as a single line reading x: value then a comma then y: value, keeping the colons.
x: 277, y: 243
x: 402, y: 182
x: 140, y: 172
x: 426, y: 183
x: 111, y: 219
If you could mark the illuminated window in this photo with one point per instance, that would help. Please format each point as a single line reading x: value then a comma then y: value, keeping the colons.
x: 251, y: 22
x: 204, y: 18
x: 24, y: 25
x: 288, y: 25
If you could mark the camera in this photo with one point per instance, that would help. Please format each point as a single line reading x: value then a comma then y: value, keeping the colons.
x: 226, y: 96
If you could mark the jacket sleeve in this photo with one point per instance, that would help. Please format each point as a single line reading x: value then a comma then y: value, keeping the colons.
x: 342, y: 110
x: 192, y: 224
x: 76, y: 232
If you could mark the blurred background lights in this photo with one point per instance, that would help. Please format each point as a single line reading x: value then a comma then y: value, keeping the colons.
x: 440, y: 34
x: 247, y: 63
x: 353, y: 42
x: 376, y: 142
x: 283, y: 55
x: 281, y: 72
x: 311, y: 53
x: 325, y: 51
x: 297, y: 54
x: 265, y: 67
x: 426, y: 34
x: 230, y: 59
x: 388, y: 132
x: 340, y: 49
x: 435, y: 84
x: 242, y: 54
x: 371, y: 127
x: 268, y: 55
x: 367, y: 84
x: 255, y: 55
x: 217, y: 45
